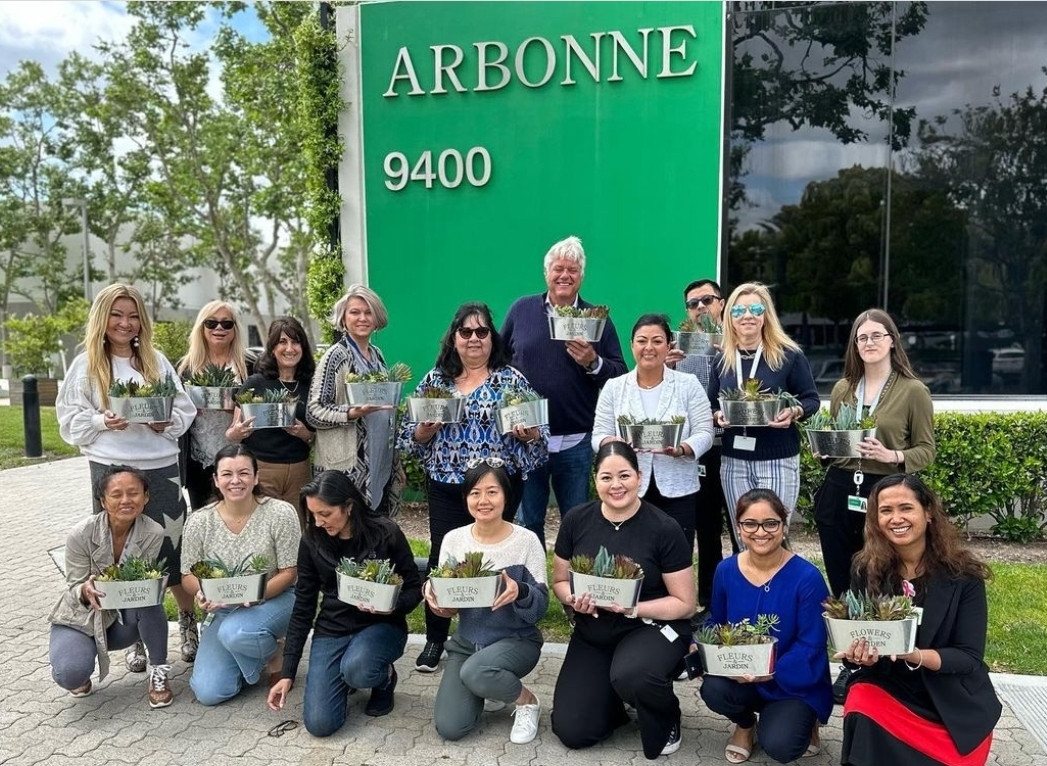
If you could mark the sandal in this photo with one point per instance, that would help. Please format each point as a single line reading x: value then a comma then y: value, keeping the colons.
x: 737, y: 753
x: 815, y: 746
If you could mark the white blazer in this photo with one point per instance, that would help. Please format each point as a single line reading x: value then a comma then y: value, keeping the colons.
x: 680, y: 394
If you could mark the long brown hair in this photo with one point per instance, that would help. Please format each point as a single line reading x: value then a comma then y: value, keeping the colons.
x: 854, y: 367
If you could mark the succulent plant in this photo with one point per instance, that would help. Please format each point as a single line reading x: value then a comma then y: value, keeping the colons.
x: 267, y: 396
x: 216, y: 569
x: 434, y: 392
x: 704, y: 323
x: 861, y: 605
x: 135, y: 390
x: 846, y: 419
x: 134, y: 568
x: 629, y: 420
x: 372, y: 570
x: 753, y: 391
x: 398, y: 373
x: 471, y: 565
x: 739, y: 633
x: 514, y: 396
x: 617, y: 567
x: 213, y: 376
x: 593, y: 312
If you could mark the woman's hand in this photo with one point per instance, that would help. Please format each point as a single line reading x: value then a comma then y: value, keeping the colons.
x: 785, y: 418
x: 424, y: 432
x: 871, y: 448
x: 363, y: 410
x: 114, y: 422
x: 160, y: 427
x: 751, y: 679
x: 526, y: 434
x: 278, y: 693
x: 510, y: 592
x: 89, y: 594
x: 861, y: 652
x: 720, y: 420
x: 240, y: 430
x: 430, y: 599
x: 299, y: 430
x: 207, y: 606
x: 583, y: 604
x: 684, y: 450
x: 675, y: 355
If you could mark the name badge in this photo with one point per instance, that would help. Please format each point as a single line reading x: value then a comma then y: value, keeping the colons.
x: 670, y: 634
x: 747, y: 443
x: 857, y: 503
x: 701, y: 471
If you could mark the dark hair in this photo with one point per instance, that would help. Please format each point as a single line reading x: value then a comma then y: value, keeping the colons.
x: 473, y: 476
x: 235, y: 450
x: 655, y: 320
x: 699, y: 283
x: 621, y: 449
x: 854, y: 367
x: 335, y: 488
x: 448, y: 362
x: 761, y: 495
x: 293, y: 329
x: 103, y: 481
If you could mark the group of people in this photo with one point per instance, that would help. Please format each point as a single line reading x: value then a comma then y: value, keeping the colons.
x: 310, y: 494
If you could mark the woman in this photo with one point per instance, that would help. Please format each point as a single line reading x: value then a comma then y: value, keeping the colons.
x: 215, y: 339
x: 474, y: 364
x: 80, y: 629
x: 936, y: 704
x: 629, y: 655
x: 283, y: 453
x: 494, y: 647
x: 768, y: 579
x: 353, y: 647
x: 655, y: 392
x: 118, y: 345
x: 239, y: 641
x: 356, y: 440
x: 756, y: 346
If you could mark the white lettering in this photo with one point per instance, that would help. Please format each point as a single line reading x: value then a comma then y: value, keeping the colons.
x: 440, y: 68
x: 621, y: 44
x: 572, y: 47
x: 404, y: 58
x: 482, y: 65
x: 550, y: 62
x: 680, y: 50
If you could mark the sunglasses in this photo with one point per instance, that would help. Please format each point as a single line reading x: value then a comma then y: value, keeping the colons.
x: 756, y: 309
x: 225, y: 324
x: 751, y: 525
x: 704, y: 300
x: 490, y: 462
x: 465, y: 333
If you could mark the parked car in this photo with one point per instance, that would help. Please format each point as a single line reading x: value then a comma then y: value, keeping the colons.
x: 1008, y: 361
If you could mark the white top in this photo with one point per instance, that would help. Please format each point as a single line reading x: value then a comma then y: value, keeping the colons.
x: 520, y: 547
x: 272, y: 531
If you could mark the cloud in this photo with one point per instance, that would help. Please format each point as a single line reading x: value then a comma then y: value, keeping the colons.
x: 48, y: 32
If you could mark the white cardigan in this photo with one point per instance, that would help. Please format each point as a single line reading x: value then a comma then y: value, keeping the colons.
x: 680, y: 394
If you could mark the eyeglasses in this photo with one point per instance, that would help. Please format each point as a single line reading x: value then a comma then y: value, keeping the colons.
x: 873, y: 338
x: 490, y: 462
x: 465, y: 333
x: 282, y: 728
x: 756, y: 309
x: 225, y: 324
x: 704, y: 300
x: 768, y: 525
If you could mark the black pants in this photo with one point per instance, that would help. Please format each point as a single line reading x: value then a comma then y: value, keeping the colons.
x: 681, y: 509
x: 840, y: 530
x: 709, y: 524
x: 199, y: 481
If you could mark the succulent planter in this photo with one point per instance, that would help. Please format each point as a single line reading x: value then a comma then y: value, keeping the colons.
x: 888, y: 636
x: 269, y: 414
x: 576, y: 328
x: 424, y: 410
x: 656, y: 436
x: 131, y: 594
x: 606, y: 591
x: 698, y: 343
x: 247, y: 589
x: 527, y: 414
x: 739, y: 659
x: 837, y: 443
x: 142, y: 409
x: 213, y: 397
x: 750, y: 413
x: 466, y: 592
x: 374, y: 394
x: 378, y: 596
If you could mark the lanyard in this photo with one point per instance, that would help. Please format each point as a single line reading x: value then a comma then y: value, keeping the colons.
x: 859, y: 395
x: 355, y: 350
x: 752, y: 370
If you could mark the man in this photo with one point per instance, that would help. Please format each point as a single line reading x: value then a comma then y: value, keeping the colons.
x: 569, y: 375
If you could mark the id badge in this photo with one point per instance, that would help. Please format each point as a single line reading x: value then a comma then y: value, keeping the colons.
x: 701, y: 471
x: 857, y: 503
x: 746, y: 443
x: 670, y: 634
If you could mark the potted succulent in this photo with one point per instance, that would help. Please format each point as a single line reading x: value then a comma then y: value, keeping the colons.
x: 435, y: 404
x: 213, y: 388
x: 753, y: 405
x: 886, y: 622
x: 273, y: 408
x: 699, y: 337
x: 838, y: 436
x: 649, y: 433
x: 522, y: 408
x: 132, y: 584
x: 570, y: 323
x: 143, y: 402
x: 377, y: 387
x: 465, y: 584
x: 372, y: 583
x: 739, y: 648
x: 243, y: 583
x: 607, y: 579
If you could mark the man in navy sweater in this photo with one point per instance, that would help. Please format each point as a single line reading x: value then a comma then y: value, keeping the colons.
x: 569, y: 374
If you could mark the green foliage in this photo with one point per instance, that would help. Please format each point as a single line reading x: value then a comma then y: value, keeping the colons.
x: 324, y: 284
x: 629, y: 420
x: 172, y: 338
x: 846, y: 420
x: 213, y: 376
x: 216, y: 569
x: 617, y: 567
x: 33, y: 340
x: 853, y: 605
x: 512, y: 396
x: 12, y: 438
x: 471, y: 565
x: 433, y: 392
x: 1017, y: 633
x: 739, y: 633
x: 398, y: 373
x: 267, y: 396
x: 378, y: 571
x: 134, y: 568
x: 593, y: 312
x: 136, y: 390
x: 704, y: 323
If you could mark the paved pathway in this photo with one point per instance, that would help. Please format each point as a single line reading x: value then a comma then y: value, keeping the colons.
x: 41, y: 724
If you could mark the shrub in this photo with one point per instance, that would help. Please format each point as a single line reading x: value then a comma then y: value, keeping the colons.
x: 172, y: 338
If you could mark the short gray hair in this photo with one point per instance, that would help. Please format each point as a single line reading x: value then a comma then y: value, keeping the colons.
x: 569, y: 249
x: 368, y: 296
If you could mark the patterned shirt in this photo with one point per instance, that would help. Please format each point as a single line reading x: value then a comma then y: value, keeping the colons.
x: 272, y: 531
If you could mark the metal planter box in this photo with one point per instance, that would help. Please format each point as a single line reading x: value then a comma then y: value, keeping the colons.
x: 378, y: 596
x: 466, y: 592
x: 131, y: 594
x: 374, y: 394
x: 143, y: 409
x: 527, y: 414
x: 606, y: 591
x: 248, y: 589
x: 698, y: 343
x: 888, y: 636
x: 576, y: 328
x: 270, y: 414
x: 757, y: 413
x: 658, y: 436
x: 837, y: 443
x: 213, y: 397
x: 425, y: 410
x: 739, y: 660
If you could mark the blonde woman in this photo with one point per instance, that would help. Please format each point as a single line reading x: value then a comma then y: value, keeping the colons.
x: 118, y: 345
x: 756, y: 346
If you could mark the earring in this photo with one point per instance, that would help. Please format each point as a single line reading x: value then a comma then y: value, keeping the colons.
x: 134, y: 341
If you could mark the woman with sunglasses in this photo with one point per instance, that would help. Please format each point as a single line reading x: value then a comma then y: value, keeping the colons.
x: 473, y: 363
x: 756, y: 346
x: 767, y: 579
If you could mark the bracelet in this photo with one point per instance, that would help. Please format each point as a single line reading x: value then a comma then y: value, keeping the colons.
x: 900, y: 456
x: 916, y: 666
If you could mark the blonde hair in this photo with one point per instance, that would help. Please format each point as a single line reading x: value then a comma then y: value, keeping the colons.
x: 368, y: 296
x: 775, y: 341
x: 198, y: 356
x: 99, y: 362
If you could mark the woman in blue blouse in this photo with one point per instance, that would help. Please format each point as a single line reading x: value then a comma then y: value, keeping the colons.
x: 474, y: 364
x: 769, y: 579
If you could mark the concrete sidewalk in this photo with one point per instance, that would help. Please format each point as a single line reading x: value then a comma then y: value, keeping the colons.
x: 41, y: 724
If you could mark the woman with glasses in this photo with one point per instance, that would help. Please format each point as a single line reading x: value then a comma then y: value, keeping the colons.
x: 756, y: 346
x: 767, y: 579
x: 473, y: 364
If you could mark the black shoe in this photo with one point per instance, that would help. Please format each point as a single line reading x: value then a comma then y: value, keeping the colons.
x: 840, y: 686
x: 429, y: 659
x: 673, y: 743
x: 381, y: 702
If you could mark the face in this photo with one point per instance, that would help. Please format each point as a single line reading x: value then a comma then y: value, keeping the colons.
x: 761, y: 540
x: 288, y: 352
x: 617, y: 483
x: 220, y: 337
x: 473, y: 350
x: 650, y: 347
x: 564, y: 280
x: 332, y: 519
x: 124, y: 323
x: 358, y: 319
x: 701, y: 294
x: 486, y: 500
x: 235, y: 478
x: 748, y: 327
x: 900, y: 516
x: 873, y: 352
x: 124, y: 499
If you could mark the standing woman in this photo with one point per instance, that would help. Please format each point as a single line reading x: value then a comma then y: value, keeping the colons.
x: 355, y: 440
x: 283, y: 453
x: 756, y: 346
x: 214, y: 339
x: 118, y: 345
x: 473, y: 363
x: 936, y: 704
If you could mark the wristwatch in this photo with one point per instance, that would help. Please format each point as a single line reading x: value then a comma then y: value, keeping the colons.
x: 591, y: 367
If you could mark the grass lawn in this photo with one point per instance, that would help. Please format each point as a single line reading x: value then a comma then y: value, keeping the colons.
x: 12, y: 438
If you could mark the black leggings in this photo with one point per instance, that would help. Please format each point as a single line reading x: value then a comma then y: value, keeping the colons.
x: 841, y: 531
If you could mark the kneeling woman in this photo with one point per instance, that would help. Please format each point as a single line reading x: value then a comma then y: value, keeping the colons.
x: 768, y: 579
x: 239, y: 641
x: 615, y: 654
x: 353, y: 647
x: 494, y: 647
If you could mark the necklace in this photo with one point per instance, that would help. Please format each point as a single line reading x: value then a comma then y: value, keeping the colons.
x: 233, y: 523
x: 648, y: 388
x: 618, y: 525
x: 290, y: 388
x: 767, y: 583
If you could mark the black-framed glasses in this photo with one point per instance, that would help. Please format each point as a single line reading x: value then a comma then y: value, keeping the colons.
x: 704, y: 300
x: 282, y: 728
x: 490, y: 462
x: 873, y: 337
x: 225, y: 324
x: 465, y: 333
x: 767, y: 525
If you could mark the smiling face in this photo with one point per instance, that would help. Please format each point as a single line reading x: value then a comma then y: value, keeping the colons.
x: 564, y: 280
x: 332, y: 519
x: 747, y: 327
x: 617, y: 484
x: 900, y: 517
x: 486, y: 500
x: 123, y: 326
x: 219, y: 339
x: 761, y: 540
x: 287, y: 352
x: 235, y: 478
x: 473, y: 351
x: 870, y: 352
x: 650, y: 347
x: 358, y: 319
x: 124, y: 499
x: 702, y: 294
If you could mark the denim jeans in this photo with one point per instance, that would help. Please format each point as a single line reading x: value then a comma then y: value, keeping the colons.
x: 360, y: 660
x: 569, y: 471
x: 236, y: 647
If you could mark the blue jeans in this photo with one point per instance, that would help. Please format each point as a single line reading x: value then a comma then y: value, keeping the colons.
x: 360, y: 660
x: 569, y: 471
x: 236, y: 647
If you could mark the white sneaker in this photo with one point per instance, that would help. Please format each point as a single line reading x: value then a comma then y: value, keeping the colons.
x: 525, y: 725
x: 493, y: 706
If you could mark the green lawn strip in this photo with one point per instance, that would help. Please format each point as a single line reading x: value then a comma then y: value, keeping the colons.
x: 12, y: 438
x: 1017, y: 623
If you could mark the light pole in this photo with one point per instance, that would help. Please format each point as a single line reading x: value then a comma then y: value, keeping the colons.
x: 82, y: 204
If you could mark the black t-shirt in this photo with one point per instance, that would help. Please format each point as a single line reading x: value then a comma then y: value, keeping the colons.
x: 275, y: 445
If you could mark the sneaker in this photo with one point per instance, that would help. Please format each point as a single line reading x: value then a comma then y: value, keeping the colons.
x: 673, y: 743
x: 189, y: 632
x: 429, y: 659
x: 82, y: 691
x: 493, y: 706
x: 381, y: 702
x: 135, y: 658
x: 159, y: 686
x: 525, y: 723
x: 840, y: 685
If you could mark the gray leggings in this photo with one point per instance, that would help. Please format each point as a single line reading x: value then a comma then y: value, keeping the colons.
x: 73, y: 653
